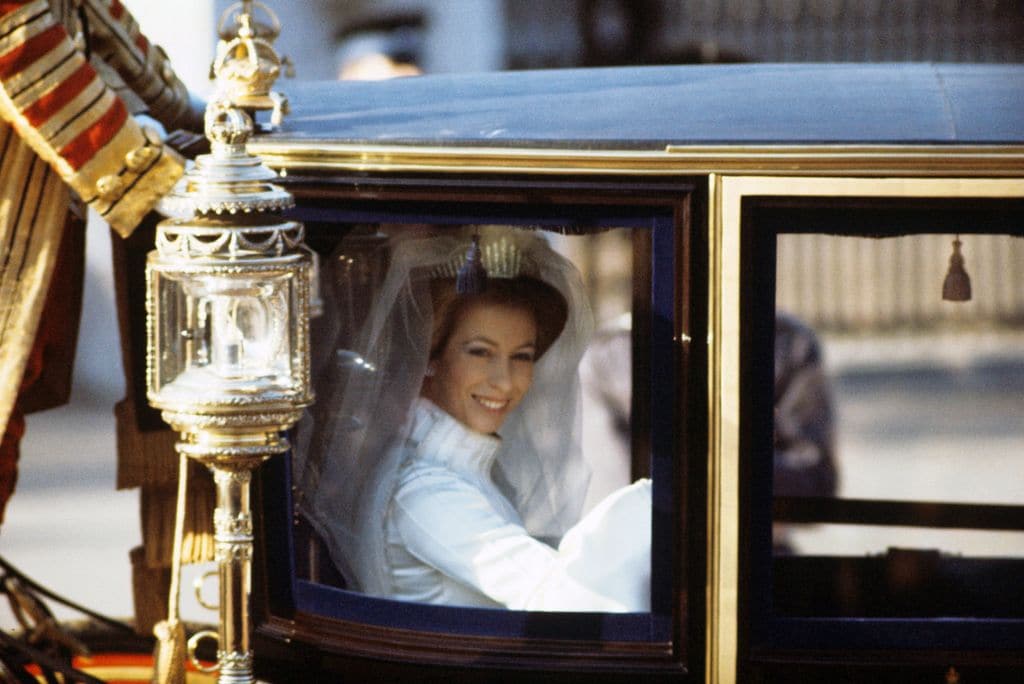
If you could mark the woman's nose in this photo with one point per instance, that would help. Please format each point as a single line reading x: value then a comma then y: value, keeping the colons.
x: 501, y: 374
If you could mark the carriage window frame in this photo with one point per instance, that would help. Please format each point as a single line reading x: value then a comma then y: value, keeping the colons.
x: 753, y: 212
x: 667, y: 638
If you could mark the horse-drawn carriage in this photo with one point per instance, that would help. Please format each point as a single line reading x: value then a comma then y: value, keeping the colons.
x: 702, y: 205
x: 713, y: 184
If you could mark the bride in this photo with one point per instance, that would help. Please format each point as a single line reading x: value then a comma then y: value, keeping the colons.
x: 443, y: 465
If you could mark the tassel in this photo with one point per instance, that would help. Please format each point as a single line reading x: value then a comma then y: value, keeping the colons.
x: 148, y: 460
x: 157, y: 504
x: 169, y: 653
x: 169, y: 659
x: 957, y: 285
x: 472, y: 276
x: 149, y: 592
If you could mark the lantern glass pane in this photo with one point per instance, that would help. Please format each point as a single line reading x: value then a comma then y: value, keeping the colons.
x: 240, y: 332
x: 172, y: 335
x: 226, y: 332
x: 242, y: 329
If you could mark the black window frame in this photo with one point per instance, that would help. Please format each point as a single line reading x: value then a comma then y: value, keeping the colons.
x: 294, y: 620
x: 785, y: 648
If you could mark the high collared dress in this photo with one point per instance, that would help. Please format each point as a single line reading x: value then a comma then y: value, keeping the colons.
x: 453, y: 538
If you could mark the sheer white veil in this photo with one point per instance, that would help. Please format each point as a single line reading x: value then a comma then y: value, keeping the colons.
x: 350, y: 446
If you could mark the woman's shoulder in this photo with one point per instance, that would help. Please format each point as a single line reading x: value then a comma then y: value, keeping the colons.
x: 418, y: 474
x: 426, y: 490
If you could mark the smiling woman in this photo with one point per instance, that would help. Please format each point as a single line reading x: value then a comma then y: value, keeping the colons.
x: 485, y: 368
x: 484, y: 346
x: 445, y: 467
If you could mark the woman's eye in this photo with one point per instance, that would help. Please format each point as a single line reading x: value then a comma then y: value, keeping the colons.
x: 482, y: 352
x: 523, y: 356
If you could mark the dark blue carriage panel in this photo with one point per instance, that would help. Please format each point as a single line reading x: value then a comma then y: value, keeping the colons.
x: 651, y: 107
x: 340, y: 604
x: 986, y: 102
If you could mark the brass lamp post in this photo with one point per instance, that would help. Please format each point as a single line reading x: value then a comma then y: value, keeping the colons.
x: 228, y: 328
x: 227, y: 301
x: 228, y: 305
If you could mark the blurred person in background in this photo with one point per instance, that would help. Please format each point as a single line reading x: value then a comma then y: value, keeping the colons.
x: 381, y: 47
x: 804, y: 441
x: 804, y: 415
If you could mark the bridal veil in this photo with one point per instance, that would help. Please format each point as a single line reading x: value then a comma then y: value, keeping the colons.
x: 345, y: 460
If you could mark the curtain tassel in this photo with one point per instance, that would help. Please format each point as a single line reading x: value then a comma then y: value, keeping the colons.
x: 957, y: 285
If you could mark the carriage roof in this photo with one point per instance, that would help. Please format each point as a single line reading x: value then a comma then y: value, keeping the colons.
x: 649, y: 108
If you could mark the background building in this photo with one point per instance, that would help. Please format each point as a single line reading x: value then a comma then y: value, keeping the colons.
x: 480, y: 35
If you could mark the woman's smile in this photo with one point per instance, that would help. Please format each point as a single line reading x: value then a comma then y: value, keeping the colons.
x: 486, y: 368
x: 492, y: 404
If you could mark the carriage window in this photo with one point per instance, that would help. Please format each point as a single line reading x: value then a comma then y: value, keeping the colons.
x: 472, y: 444
x: 898, y: 426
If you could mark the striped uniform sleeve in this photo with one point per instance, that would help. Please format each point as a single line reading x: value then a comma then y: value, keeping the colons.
x: 33, y: 208
x: 114, y: 36
x: 59, y: 105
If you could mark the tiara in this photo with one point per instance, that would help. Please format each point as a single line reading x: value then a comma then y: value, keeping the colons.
x: 498, y: 257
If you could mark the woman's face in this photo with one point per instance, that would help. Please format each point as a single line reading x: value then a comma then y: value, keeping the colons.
x: 486, y: 367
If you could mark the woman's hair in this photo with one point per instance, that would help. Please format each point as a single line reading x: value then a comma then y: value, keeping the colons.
x: 545, y: 304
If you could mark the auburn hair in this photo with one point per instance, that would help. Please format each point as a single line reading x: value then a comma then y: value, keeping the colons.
x: 546, y: 304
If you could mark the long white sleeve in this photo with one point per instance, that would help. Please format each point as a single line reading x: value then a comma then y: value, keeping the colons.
x: 469, y: 537
x: 610, y: 548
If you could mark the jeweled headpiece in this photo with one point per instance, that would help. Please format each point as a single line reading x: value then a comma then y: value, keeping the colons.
x: 472, y: 276
x: 499, y: 256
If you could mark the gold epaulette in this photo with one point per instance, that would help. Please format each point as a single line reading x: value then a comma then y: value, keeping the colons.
x: 60, y: 106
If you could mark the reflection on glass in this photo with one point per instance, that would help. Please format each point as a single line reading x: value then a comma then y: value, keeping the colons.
x: 240, y: 328
x: 225, y: 333
x: 928, y: 421
x: 445, y: 466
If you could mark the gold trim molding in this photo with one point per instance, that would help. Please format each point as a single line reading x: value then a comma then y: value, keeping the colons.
x: 853, y: 160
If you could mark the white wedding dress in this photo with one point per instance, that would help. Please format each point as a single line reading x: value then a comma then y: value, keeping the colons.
x: 413, y: 506
x: 452, y: 538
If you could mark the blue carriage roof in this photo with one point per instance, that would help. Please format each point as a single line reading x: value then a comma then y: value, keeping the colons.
x: 651, y: 107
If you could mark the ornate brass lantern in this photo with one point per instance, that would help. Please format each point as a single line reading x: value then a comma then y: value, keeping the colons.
x: 228, y: 296
x: 228, y: 327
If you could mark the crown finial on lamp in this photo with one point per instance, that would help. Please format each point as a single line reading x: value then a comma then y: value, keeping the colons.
x: 247, y: 65
x: 957, y: 285
x: 227, y: 180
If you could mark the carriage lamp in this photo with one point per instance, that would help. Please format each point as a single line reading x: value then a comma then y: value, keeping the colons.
x: 228, y: 304
x: 228, y: 292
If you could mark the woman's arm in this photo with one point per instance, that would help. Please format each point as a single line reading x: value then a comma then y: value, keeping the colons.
x: 451, y: 525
